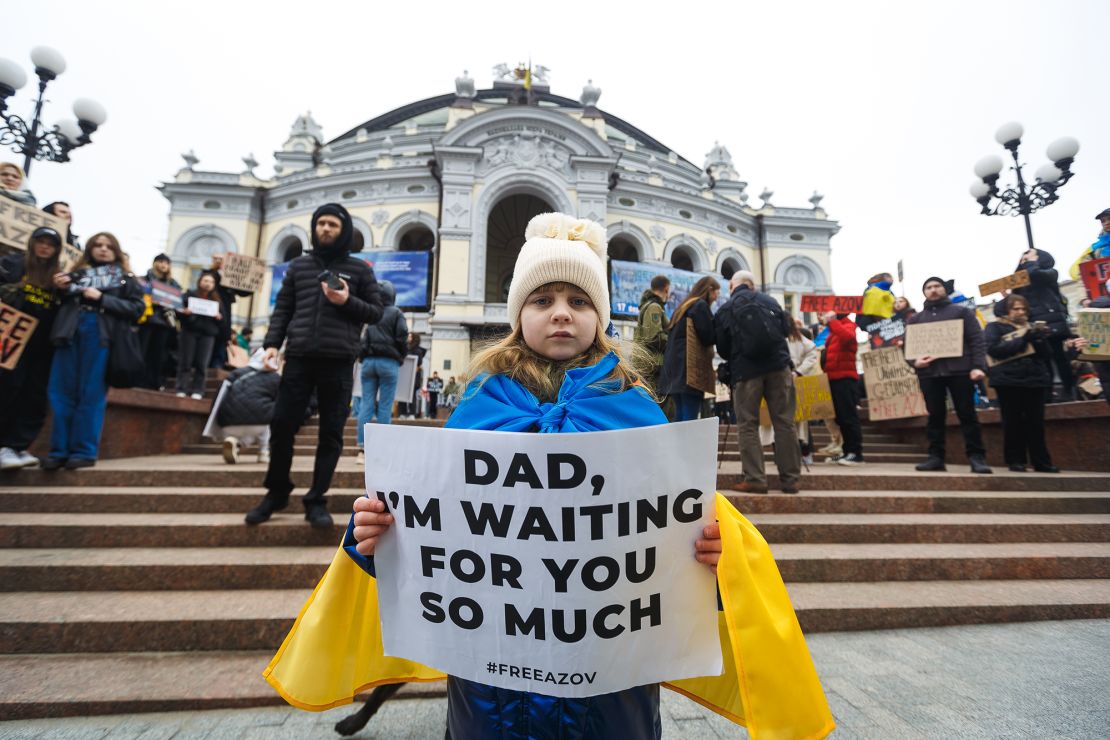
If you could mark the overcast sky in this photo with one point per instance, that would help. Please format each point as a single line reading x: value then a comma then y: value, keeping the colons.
x: 883, y: 107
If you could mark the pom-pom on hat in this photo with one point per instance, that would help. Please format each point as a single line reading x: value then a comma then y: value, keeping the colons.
x: 561, y: 249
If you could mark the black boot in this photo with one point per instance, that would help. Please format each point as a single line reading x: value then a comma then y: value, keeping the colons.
x: 266, y: 508
x: 931, y: 465
x: 979, y: 465
x: 317, y: 515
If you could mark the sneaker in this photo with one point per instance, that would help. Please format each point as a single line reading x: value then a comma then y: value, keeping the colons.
x: 933, y: 464
x: 265, y: 509
x: 180, y: 394
x: 317, y: 515
x: 807, y: 459
x: 831, y: 449
x: 850, y: 459
x: 76, y: 463
x: 264, y: 456
x: 748, y: 487
x: 9, y: 459
x: 231, y: 450
x: 28, y: 460
x: 979, y: 465
x: 52, y: 463
x: 360, y: 458
x: 197, y: 396
x: 833, y: 459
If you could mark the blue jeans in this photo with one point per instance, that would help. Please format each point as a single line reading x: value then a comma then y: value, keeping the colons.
x: 379, y: 386
x: 687, y: 405
x: 78, y: 392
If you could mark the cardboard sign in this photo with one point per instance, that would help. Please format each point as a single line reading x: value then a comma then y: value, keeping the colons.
x: 18, y: 222
x: 164, y: 294
x: 16, y: 329
x: 554, y: 563
x: 69, y: 257
x: 1018, y: 279
x: 242, y: 272
x: 1093, y: 324
x: 813, y: 400
x: 935, y: 339
x: 887, y: 333
x: 1025, y: 351
x: 838, y: 303
x: 203, y: 306
x: 699, y: 362
x: 1095, y: 273
x: 893, y: 391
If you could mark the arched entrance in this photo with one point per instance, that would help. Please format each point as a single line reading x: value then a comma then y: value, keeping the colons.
x: 504, y: 238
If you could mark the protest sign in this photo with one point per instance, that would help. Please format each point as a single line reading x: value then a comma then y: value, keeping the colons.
x: 203, y: 307
x: 1026, y: 351
x: 1095, y: 273
x: 838, y: 303
x: 887, y: 333
x: 935, y: 339
x: 892, y: 388
x: 556, y: 563
x: 101, y: 277
x: 241, y: 272
x: 18, y: 222
x: 1018, y: 279
x: 1093, y: 324
x: 164, y: 294
x: 69, y: 257
x: 813, y: 400
x: 16, y: 329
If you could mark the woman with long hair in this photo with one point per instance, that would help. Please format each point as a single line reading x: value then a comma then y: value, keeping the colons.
x: 100, y: 292
x: 197, y: 339
x: 26, y: 284
x: 672, y: 380
x: 11, y: 184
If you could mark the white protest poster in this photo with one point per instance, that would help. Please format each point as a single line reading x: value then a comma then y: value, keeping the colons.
x: 406, y: 379
x: 203, y: 306
x: 561, y: 564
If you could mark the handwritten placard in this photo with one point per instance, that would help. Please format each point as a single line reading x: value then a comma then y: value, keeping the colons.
x: 838, y: 303
x: 1093, y: 324
x: 893, y: 391
x: 16, y: 329
x: 935, y: 339
x: 1095, y: 273
x: 18, y: 222
x: 813, y: 400
x: 242, y: 272
x: 1018, y: 279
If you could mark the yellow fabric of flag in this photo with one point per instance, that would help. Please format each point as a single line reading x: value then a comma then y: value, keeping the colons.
x: 770, y: 685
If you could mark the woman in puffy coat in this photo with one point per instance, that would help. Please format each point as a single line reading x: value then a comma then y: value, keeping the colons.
x: 672, y: 378
x: 100, y: 293
x: 1020, y: 371
x: 1046, y: 304
x: 840, y: 365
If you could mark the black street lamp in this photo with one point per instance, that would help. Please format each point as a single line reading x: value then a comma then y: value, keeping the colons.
x: 1022, y: 199
x: 34, y: 140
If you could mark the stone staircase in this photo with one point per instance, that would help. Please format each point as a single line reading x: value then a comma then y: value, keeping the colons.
x: 135, y: 586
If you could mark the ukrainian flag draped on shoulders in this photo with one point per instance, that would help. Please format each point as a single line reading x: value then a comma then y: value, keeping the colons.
x: 769, y: 685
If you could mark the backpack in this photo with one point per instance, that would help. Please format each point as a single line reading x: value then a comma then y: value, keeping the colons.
x: 758, y: 329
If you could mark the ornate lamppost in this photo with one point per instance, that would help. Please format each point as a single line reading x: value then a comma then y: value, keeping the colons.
x: 1022, y: 199
x: 34, y: 140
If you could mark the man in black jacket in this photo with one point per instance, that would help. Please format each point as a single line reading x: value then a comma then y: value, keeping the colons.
x: 323, y: 303
x: 751, y: 331
x: 951, y: 376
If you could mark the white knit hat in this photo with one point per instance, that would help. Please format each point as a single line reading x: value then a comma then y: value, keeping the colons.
x: 561, y: 249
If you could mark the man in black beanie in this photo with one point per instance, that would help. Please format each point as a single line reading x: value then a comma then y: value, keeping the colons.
x: 951, y: 376
x: 325, y: 300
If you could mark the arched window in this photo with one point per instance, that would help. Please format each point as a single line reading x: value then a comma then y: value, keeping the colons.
x: 504, y: 238
x: 290, y: 248
x: 620, y: 248
x: 417, y: 239
x: 729, y: 268
x: 682, y: 259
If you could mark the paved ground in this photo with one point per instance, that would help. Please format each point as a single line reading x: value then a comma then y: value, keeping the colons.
x: 1035, y: 680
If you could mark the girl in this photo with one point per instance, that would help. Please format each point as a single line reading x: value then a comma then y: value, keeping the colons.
x: 197, y: 338
x: 26, y: 284
x: 99, y: 292
x: 11, y: 184
x: 558, y: 372
x: 672, y: 380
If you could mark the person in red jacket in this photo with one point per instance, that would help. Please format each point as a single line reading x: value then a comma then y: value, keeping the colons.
x: 840, y: 365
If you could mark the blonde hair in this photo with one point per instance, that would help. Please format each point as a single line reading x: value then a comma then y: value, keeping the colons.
x: 512, y: 357
x: 13, y: 166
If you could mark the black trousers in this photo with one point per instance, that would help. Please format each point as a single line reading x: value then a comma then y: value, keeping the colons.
x: 1103, y: 370
x: 332, y: 380
x: 155, y: 340
x: 23, y: 397
x: 845, y: 398
x: 193, y: 353
x: 962, y: 390
x: 433, y: 404
x: 1063, y: 367
x: 1023, y: 425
